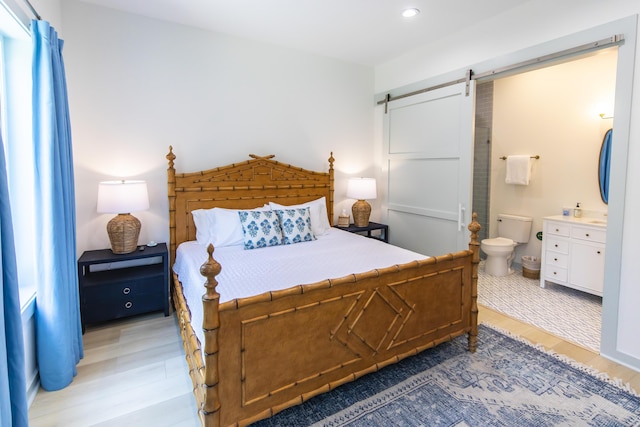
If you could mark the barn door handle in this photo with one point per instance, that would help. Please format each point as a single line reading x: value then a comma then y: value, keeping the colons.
x: 461, y: 211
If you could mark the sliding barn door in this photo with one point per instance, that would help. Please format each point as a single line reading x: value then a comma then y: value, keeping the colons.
x: 428, y: 149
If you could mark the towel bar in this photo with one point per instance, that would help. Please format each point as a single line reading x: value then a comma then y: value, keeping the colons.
x: 533, y: 157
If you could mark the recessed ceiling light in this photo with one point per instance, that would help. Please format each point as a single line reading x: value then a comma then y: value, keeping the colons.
x: 409, y: 13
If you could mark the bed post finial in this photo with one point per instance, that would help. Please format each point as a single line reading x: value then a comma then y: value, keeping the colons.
x: 171, y: 157
x: 256, y: 157
x: 331, y: 190
x: 474, y: 246
x: 171, y: 193
x: 211, y: 325
x: 210, y: 270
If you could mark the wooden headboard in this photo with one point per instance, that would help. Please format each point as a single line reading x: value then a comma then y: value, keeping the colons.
x: 244, y: 185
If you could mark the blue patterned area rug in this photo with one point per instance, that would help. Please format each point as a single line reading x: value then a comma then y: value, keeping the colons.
x: 507, y: 382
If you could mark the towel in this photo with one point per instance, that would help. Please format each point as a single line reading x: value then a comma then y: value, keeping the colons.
x: 518, y: 170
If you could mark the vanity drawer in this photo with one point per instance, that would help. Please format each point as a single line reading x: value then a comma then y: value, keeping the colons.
x: 556, y: 259
x: 589, y: 233
x: 558, y: 229
x: 557, y: 245
x: 555, y: 273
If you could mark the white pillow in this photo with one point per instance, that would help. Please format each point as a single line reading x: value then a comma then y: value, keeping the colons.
x: 219, y: 226
x: 261, y: 229
x: 296, y: 225
x: 318, y: 212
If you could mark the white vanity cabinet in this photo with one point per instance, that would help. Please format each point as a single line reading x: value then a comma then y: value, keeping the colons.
x: 573, y: 253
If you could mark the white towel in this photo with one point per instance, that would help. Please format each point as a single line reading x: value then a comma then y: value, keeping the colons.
x: 518, y: 170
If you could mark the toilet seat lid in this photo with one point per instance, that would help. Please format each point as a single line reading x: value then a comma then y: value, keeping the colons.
x: 498, y: 241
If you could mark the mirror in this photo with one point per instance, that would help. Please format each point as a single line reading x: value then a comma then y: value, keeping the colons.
x: 604, y: 165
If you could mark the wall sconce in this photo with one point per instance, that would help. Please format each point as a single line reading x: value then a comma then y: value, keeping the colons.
x: 361, y: 189
x: 122, y: 198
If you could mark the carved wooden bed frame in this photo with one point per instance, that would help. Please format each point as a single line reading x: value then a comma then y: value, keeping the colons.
x: 268, y: 352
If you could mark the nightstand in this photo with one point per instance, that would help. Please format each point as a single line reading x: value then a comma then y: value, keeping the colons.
x: 383, y: 235
x: 114, y: 286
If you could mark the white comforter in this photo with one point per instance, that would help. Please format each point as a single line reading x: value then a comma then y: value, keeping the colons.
x: 251, y: 272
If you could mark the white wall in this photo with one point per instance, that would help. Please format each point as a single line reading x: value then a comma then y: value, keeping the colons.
x: 554, y: 113
x: 137, y: 85
x: 518, y: 35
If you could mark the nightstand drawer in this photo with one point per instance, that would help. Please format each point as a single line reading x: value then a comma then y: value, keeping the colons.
x: 111, y: 301
x: 127, y: 289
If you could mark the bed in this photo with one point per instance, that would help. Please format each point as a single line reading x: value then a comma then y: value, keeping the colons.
x: 252, y: 356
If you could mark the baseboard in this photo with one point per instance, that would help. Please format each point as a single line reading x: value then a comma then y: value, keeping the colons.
x: 32, y: 376
x: 32, y: 389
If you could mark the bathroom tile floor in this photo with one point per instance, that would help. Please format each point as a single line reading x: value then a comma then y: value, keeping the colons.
x: 567, y: 313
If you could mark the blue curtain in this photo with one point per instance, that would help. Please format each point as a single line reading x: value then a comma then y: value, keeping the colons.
x: 58, y: 327
x: 13, y: 389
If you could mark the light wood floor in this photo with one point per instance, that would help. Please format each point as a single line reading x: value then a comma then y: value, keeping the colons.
x: 134, y: 374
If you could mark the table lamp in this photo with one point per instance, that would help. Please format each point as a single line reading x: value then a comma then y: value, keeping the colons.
x: 361, y: 189
x: 122, y: 198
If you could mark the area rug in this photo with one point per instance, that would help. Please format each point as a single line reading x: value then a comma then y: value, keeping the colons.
x: 507, y: 382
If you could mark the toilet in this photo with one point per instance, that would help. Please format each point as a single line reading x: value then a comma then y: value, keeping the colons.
x: 512, y: 231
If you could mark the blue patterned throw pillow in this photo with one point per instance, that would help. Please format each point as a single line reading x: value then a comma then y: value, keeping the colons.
x: 260, y: 228
x: 296, y: 225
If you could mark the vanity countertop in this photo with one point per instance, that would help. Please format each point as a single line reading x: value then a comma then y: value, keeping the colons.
x: 595, y: 221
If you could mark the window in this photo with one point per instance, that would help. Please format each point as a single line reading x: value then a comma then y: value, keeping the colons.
x: 15, y: 124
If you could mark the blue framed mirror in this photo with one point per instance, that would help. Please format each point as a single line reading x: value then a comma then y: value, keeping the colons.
x: 604, y: 166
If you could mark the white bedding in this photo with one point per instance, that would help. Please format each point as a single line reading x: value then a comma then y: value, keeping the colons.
x: 251, y: 272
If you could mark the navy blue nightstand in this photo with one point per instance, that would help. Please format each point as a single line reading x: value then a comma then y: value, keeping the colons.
x: 126, y: 289
x: 373, y: 226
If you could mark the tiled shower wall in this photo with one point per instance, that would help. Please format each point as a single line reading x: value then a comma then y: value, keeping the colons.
x: 482, y: 155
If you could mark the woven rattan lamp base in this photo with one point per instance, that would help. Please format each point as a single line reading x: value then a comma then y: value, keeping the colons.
x: 123, y: 230
x: 361, y: 211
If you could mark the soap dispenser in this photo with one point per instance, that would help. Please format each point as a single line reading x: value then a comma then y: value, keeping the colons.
x: 577, y: 211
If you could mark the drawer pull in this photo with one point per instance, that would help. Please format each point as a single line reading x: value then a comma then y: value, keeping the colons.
x: 128, y: 304
x: 126, y: 291
x: 556, y: 245
x: 587, y: 234
x: 598, y: 252
x: 555, y: 273
x: 555, y: 259
x: 557, y: 230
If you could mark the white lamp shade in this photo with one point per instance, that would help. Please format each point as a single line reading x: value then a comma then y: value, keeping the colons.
x: 361, y: 188
x: 119, y: 197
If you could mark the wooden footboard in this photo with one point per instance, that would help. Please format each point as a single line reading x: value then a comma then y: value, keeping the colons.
x: 266, y: 353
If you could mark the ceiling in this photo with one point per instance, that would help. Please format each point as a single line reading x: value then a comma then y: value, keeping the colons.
x: 368, y: 32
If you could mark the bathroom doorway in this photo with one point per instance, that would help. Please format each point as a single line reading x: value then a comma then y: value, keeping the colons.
x: 553, y: 112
